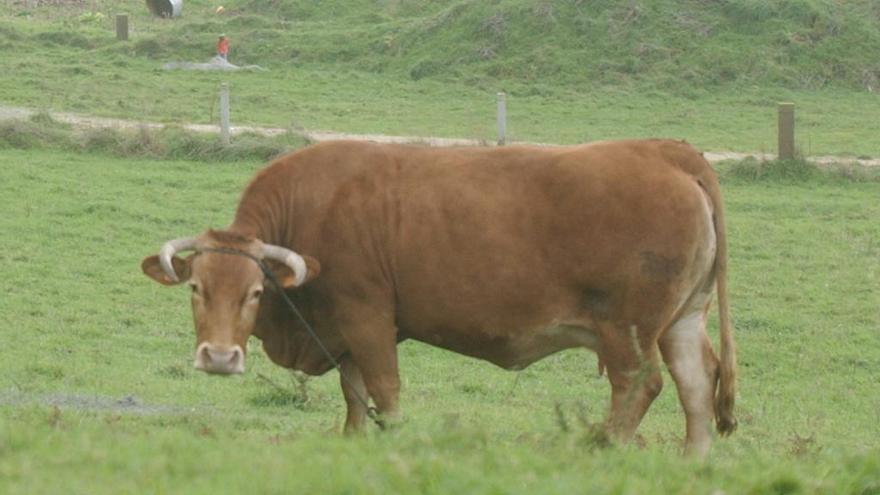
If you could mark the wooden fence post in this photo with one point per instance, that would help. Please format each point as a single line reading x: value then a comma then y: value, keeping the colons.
x: 786, y: 131
x: 502, y: 119
x: 224, y: 113
x: 122, y: 27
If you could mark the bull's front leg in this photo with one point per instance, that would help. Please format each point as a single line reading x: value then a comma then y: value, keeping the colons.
x: 371, y: 337
x: 383, y: 383
x: 355, y: 392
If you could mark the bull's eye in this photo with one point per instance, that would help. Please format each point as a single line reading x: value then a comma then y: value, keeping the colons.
x: 195, y: 288
x: 256, y: 293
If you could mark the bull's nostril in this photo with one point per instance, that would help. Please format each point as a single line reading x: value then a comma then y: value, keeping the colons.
x: 236, y: 357
x: 205, y: 356
x: 219, y: 359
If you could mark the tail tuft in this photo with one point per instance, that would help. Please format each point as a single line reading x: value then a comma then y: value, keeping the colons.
x: 725, y: 422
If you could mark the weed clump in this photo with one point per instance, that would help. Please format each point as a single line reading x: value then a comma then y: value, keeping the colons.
x: 69, y: 38
x: 297, y: 395
x: 101, y: 140
x: 855, y: 173
x: 797, y: 169
x: 183, y: 145
x: 39, y: 131
x: 585, y: 432
x: 142, y: 142
x: 425, y: 68
x: 150, y: 48
x: 172, y: 143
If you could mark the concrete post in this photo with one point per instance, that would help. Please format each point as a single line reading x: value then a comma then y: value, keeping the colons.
x: 224, y: 113
x: 786, y: 131
x: 122, y: 27
x: 502, y: 119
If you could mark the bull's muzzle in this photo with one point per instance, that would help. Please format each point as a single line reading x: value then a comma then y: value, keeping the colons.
x: 218, y: 359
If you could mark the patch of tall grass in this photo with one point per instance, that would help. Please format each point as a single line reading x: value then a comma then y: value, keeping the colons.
x: 796, y: 170
x: 38, y: 131
x: 792, y: 170
x: 174, y: 143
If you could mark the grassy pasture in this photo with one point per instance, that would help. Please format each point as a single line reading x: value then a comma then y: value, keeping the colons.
x: 97, y: 392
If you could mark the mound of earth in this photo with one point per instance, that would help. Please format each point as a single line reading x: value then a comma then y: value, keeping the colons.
x: 216, y: 63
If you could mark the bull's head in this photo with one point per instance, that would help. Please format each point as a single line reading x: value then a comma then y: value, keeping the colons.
x: 227, y: 284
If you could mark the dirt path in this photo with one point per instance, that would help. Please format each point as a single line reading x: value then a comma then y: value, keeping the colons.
x: 318, y: 136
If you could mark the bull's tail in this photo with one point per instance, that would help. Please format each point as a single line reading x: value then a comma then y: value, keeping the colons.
x: 725, y: 395
x: 693, y: 163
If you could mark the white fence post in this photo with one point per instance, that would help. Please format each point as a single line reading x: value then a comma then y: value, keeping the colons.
x: 502, y: 119
x: 224, y: 113
x: 786, y: 131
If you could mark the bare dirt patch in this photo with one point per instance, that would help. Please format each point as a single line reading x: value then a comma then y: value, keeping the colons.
x: 128, y: 404
x: 47, y: 3
x: 215, y: 64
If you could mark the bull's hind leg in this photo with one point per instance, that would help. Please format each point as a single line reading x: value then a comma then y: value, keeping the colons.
x: 634, y: 373
x: 694, y: 367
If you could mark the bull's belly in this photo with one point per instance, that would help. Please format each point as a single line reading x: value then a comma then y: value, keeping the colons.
x: 512, y: 350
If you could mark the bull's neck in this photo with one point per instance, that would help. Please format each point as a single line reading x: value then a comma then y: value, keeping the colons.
x: 264, y: 213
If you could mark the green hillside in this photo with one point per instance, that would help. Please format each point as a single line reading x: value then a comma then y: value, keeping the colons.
x: 706, y: 70
x: 667, y: 43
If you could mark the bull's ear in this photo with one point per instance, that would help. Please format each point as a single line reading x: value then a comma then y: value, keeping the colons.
x: 151, y: 267
x: 285, y: 276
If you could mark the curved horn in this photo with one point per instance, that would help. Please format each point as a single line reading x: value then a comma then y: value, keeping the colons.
x: 294, y: 261
x: 170, y: 248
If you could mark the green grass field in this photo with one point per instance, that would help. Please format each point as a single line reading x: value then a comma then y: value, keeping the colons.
x: 97, y: 390
x: 98, y: 394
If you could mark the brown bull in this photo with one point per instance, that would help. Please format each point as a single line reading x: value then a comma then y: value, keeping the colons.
x: 507, y: 254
